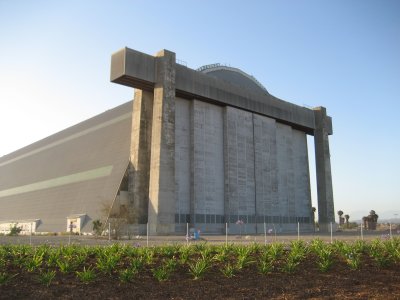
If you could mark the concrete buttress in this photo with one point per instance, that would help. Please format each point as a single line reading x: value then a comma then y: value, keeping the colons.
x: 326, y: 211
x: 139, y: 169
x: 162, y: 162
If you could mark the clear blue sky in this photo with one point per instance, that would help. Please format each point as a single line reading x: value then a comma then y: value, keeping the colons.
x: 344, y: 55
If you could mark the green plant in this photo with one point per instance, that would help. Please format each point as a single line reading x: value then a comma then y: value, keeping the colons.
x: 168, y: 251
x: 64, y: 265
x: 5, y: 278
x: 354, y: 261
x: 206, y: 253
x: 324, y: 264
x: 3, y: 263
x: 34, y: 262
x: 107, y: 263
x: 295, y: 256
x: 86, y: 276
x: 162, y: 273
x: 243, y: 257
x: 298, y: 250
x: 200, y: 247
x: 171, y: 264
x: 265, y: 267
x: 228, y: 270
x: 352, y: 254
x: 243, y: 261
x: 136, y: 263
x: 52, y: 259
x: 148, y: 255
x: 15, y: 230
x: 382, y: 253
x: 184, y: 254
x: 290, y: 265
x: 360, y: 246
x: 198, y: 268
x: 275, y: 251
x: 97, y: 227
x: 324, y: 253
x: 127, y: 274
x: 46, y: 277
x: 223, y: 253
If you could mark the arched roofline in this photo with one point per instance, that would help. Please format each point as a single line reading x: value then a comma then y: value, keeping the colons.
x: 217, y: 67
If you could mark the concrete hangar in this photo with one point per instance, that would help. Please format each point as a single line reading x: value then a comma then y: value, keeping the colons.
x: 205, y: 147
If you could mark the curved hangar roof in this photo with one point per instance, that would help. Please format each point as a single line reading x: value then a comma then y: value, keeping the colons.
x: 234, y: 76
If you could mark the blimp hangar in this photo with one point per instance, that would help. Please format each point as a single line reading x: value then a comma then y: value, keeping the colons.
x: 202, y: 147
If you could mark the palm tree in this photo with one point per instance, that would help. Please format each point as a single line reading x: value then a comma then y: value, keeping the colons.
x: 347, y: 217
x: 374, y: 219
x: 340, y: 213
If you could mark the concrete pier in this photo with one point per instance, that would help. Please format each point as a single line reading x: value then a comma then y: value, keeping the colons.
x: 162, y: 161
x: 326, y: 210
x: 139, y: 169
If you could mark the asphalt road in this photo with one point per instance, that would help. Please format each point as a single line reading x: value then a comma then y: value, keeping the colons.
x: 174, y: 239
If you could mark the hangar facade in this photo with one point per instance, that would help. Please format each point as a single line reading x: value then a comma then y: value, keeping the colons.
x: 205, y: 147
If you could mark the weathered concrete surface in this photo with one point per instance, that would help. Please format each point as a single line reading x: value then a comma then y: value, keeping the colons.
x: 266, y: 168
x: 139, y: 169
x: 133, y: 68
x: 141, y: 68
x: 301, y: 175
x: 162, y: 163
x: 208, y: 162
x: 239, y: 164
x: 286, y: 190
x: 326, y: 211
x: 182, y: 158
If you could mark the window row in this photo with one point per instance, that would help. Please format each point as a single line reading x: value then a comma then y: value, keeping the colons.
x: 239, y: 219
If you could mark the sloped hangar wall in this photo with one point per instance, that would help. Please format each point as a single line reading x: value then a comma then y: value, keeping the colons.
x: 234, y: 165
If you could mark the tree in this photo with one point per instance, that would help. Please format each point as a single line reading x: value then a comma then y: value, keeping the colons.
x: 117, y: 217
x: 371, y: 220
x: 15, y: 230
x: 313, y: 209
x: 347, y: 217
x: 97, y: 227
x: 341, y: 220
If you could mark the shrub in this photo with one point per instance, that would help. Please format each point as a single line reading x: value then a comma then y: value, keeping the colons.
x: 15, y: 230
x: 97, y: 227
x: 47, y: 277
x: 198, y: 268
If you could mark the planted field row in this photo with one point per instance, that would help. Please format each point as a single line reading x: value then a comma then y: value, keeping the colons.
x: 127, y: 263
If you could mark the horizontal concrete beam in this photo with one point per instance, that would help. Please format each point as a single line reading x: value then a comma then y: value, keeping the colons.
x: 133, y: 68
x: 136, y: 69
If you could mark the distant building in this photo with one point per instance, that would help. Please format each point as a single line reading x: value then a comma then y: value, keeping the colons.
x: 204, y: 147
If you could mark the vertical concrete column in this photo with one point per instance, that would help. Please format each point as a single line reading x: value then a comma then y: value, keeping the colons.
x: 323, y: 127
x: 139, y: 169
x: 162, y: 162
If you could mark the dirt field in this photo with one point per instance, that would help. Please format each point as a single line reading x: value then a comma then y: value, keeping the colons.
x: 306, y: 283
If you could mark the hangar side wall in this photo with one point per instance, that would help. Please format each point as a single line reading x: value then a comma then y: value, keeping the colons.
x: 76, y: 171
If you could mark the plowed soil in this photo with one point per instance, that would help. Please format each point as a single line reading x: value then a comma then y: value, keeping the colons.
x: 306, y: 282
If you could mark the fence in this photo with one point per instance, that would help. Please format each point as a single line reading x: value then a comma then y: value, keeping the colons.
x: 192, y: 235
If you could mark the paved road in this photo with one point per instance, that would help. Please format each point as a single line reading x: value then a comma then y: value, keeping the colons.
x: 215, y: 239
